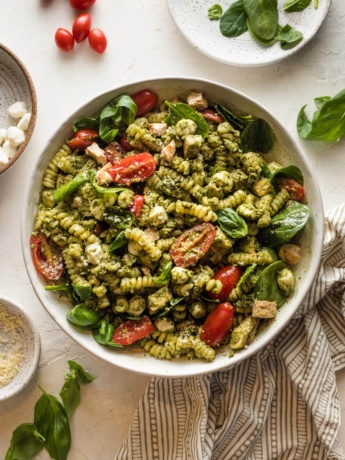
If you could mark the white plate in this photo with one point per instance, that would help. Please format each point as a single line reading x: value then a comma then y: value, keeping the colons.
x: 191, y: 16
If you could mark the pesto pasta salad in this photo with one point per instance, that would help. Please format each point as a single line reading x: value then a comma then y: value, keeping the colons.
x: 166, y: 227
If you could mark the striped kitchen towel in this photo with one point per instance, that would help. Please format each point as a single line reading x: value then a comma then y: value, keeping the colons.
x: 282, y: 403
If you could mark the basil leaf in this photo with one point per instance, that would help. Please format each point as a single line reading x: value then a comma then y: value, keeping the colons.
x: 119, y: 242
x: 105, y: 333
x: 180, y: 111
x: 263, y: 17
x: 118, y: 217
x: 26, y: 443
x: 232, y: 223
x: 71, y: 186
x: 289, y: 37
x: 266, y: 287
x: 86, y: 122
x: 80, y: 315
x: 233, y: 22
x: 84, y: 292
x: 70, y: 394
x: 165, y: 275
x: 215, y: 12
x: 120, y: 110
x: 296, y: 5
x: 328, y: 122
x: 249, y: 270
x: 284, y: 225
x: 237, y: 121
x: 80, y: 372
x: 257, y: 137
x: 51, y: 420
x: 291, y: 171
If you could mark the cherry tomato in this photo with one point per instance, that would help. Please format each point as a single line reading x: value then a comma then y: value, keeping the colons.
x: 136, y: 205
x: 228, y: 276
x: 145, y: 100
x: 82, y: 4
x: 133, y: 330
x: 64, y: 40
x: 98, y: 41
x: 46, y: 257
x: 295, y: 189
x: 125, y: 144
x: 212, y: 115
x: 114, y: 152
x: 218, y: 324
x: 189, y: 247
x: 81, y: 27
x: 134, y: 168
x: 83, y: 138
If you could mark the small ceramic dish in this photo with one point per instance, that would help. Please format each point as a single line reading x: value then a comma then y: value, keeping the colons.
x: 15, y: 85
x: 20, y: 344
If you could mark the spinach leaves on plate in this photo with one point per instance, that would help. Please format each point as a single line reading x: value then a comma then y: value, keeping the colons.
x: 233, y: 23
x: 292, y: 6
x: 215, y: 12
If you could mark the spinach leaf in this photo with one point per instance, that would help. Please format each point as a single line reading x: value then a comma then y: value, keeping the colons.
x: 105, y: 333
x: 296, y: 5
x: 118, y: 217
x: 266, y: 287
x: 285, y: 224
x: 249, y: 270
x: 237, y: 121
x: 80, y: 315
x: 257, y: 137
x: 215, y: 12
x: 257, y: 38
x: 180, y: 111
x: 71, y: 186
x: 83, y: 292
x: 86, y: 122
x: 51, y: 420
x: 266, y: 171
x: 119, y: 242
x: 165, y: 275
x: 233, y: 22
x: 70, y: 392
x: 263, y: 17
x: 289, y: 37
x: 328, y: 122
x: 26, y: 442
x: 232, y: 223
x: 291, y: 171
x: 120, y: 110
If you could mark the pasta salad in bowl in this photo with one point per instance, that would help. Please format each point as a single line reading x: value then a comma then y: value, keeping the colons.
x: 177, y: 227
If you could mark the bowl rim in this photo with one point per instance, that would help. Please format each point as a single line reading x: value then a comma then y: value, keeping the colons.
x: 32, y: 367
x: 207, y: 367
x: 33, y: 95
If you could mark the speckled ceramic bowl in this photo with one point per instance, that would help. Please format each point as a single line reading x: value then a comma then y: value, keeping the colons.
x: 31, y: 348
x: 15, y: 85
x: 286, y: 151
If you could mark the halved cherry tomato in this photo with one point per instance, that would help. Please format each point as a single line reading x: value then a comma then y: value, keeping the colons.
x: 46, y: 257
x: 133, y: 330
x: 295, y: 189
x: 136, y: 206
x: 134, y: 168
x: 212, y: 115
x: 81, y: 4
x: 98, y: 41
x: 114, y: 152
x: 218, y: 324
x: 64, y: 39
x: 228, y: 276
x: 125, y: 144
x: 192, y: 245
x: 81, y: 27
x: 145, y: 100
x: 83, y: 138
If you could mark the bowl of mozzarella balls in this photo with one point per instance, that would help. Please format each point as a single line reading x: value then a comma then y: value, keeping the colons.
x: 18, y: 107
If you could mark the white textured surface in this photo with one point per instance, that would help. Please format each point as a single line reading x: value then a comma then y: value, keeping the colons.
x: 143, y: 42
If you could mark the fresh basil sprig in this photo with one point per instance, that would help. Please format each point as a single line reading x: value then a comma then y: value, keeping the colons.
x: 105, y: 333
x: 80, y: 315
x: 26, y: 442
x: 266, y: 287
x: 180, y: 111
x: 232, y: 223
x: 120, y: 110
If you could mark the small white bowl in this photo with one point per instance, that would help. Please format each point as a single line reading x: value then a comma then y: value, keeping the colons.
x: 31, y: 345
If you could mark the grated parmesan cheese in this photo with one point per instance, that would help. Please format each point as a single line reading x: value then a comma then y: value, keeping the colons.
x: 11, y: 345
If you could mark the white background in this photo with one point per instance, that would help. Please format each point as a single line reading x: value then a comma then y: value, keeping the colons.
x: 143, y: 42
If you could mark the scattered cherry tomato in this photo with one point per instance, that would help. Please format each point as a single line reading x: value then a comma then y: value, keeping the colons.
x: 97, y: 40
x: 46, y: 257
x: 136, y: 206
x: 212, y: 115
x: 228, y: 276
x: 81, y: 27
x: 64, y: 40
x: 189, y: 247
x: 218, y: 324
x: 114, y: 152
x: 295, y: 189
x: 125, y: 144
x: 133, y: 330
x: 82, y: 4
x: 145, y: 100
x: 83, y: 138
x: 134, y: 168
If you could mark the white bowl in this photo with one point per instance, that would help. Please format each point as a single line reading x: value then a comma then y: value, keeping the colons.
x: 287, y: 151
x: 31, y: 349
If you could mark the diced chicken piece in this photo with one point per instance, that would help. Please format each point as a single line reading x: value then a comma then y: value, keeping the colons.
x: 191, y: 146
x: 264, y: 309
x: 290, y: 253
x: 158, y: 216
x: 94, y: 151
x: 158, y: 129
x: 102, y: 176
x: 197, y: 101
x: 168, y: 151
x: 152, y: 233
